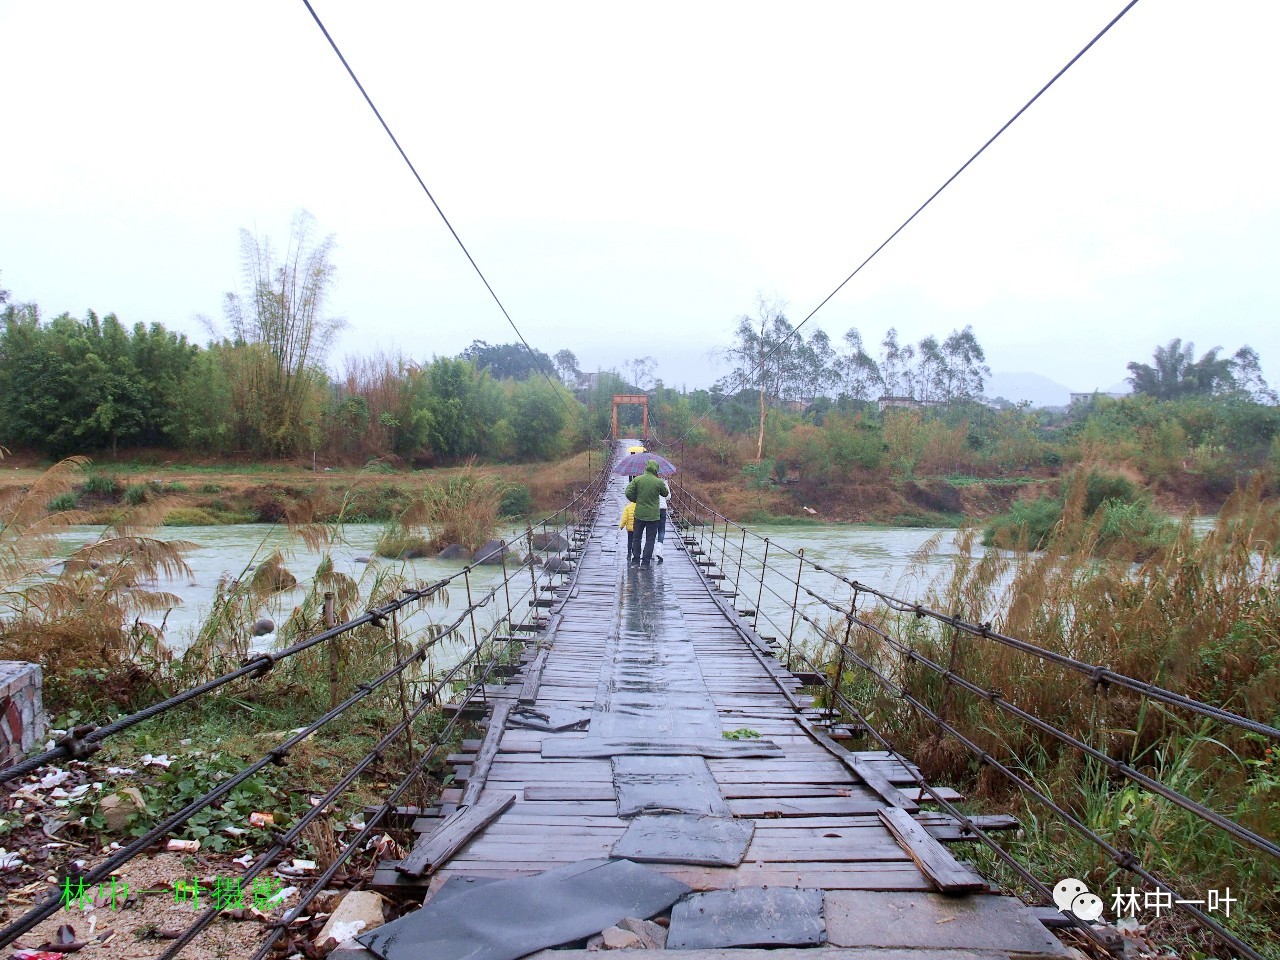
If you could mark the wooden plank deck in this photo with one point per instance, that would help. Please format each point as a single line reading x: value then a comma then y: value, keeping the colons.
x: 654, y: 656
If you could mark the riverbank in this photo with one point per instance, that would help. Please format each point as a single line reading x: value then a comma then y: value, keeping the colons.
x: 222, y: 492
x: 878, y: 497
x: 212, y: 493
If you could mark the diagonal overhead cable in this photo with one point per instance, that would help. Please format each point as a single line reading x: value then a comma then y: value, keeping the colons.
x: 920, y: 209
x: 414, y: 170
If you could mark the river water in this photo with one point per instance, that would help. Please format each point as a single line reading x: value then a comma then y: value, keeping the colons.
x: 881, y: 557
x: 876, y: 556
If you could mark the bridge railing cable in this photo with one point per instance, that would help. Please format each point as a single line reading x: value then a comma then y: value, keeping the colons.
x: 793, y: 596
x: 87, y: 739
x: 523, y: 577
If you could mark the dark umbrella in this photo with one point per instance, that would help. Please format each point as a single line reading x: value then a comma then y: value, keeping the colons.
x: 633, y: 465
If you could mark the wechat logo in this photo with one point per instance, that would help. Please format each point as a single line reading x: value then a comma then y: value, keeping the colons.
x: 1073, y: 897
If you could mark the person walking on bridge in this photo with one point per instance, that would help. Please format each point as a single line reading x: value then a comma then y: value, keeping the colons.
x: 628, y: 523
x: 646, y: 491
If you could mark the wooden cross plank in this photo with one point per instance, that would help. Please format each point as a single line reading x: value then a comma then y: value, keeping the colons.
x: 488, y: 750
x: 431, y: 852
x: 943, y: 870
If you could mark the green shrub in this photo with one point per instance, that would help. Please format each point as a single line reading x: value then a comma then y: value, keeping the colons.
x: 136, y: 493
x: 63, y: 501
x: 194, y: 517
x: 1137, y: 525
x: 516, y: 501
x: 397, y: 543
x: 760, y: 475
x: 1100, y: 487
x: 1033, y: 520
x: 177, y: 486
x: 210, y: 488
x: 101, y: 483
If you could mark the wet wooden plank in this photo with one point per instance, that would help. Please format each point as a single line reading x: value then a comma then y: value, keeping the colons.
x: 602, y: 791
x: 432, y: 850
x: 488, y: 750
x: 865, y: 771
x: 767, y: 807
x: 533, y: 678
x: 946, y: 873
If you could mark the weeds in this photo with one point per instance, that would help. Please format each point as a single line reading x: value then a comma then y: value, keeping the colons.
x: 461, y: 509
x: 1107, y: 510
x: 62, y: 502
x: 102, y: 484
x: 1197, y: 615
x: 88, y: 615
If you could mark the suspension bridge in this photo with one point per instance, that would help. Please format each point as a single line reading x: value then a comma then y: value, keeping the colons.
x: 652, y: 742
x: 652, y: 723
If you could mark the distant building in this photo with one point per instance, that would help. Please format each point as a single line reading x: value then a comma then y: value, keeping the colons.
x: 1084, y: 399
x: 907, y: 403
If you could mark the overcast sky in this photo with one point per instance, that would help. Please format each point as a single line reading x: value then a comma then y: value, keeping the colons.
x: 629, y: 177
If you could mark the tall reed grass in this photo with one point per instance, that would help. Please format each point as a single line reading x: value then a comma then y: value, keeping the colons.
x: 82, y: 618
x: 463, y: 509
x: 1198, y: 615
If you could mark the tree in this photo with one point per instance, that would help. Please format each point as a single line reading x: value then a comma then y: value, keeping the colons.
x: 448, y: 415
x: 507, y: 361
x: 567, y: 366
x: 281, y: 314
x: 931, y: 374
x: 639, y: 372
x: 964, y: 363
x: 896, y: 365
x: 71, y: 386
x: 538, y: 416
x: 1246, y: 371
x: 763, y: 353
x: 1176, y: 373
x: 816, y: 366
x: 860, y: 378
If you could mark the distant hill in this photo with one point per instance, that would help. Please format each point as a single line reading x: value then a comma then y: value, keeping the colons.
x: 1038, y: 389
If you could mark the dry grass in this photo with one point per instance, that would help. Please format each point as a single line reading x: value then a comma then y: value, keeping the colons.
x: 1198, y: 616
x: 461, y: 509
x: 87, y: 613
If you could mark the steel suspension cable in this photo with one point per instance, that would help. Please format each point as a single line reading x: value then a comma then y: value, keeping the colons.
x: 914, y: 772
x: 920, y: 209
x: 414, y: 170
x: 87, y: 739
x: 286, y: 840
x: 1125, y: 859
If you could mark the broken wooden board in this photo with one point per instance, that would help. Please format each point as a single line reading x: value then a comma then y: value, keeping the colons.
x: 432, y: 851
x: 488, y: 750
x: 865, y: 770
x: 943, y: 870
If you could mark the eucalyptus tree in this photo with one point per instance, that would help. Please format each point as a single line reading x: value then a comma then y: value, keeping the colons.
x: 932, y: 378
x: 817, y: 367
x: 896, y: 365
x: 860, y: 374
x: 764, y: 357
x: 640, y: 372
x: 567, y: 366
x: 1246, y: 371
x: 965, y: 365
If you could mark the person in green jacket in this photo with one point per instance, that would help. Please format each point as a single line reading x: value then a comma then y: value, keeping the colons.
x: 644, y: 492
